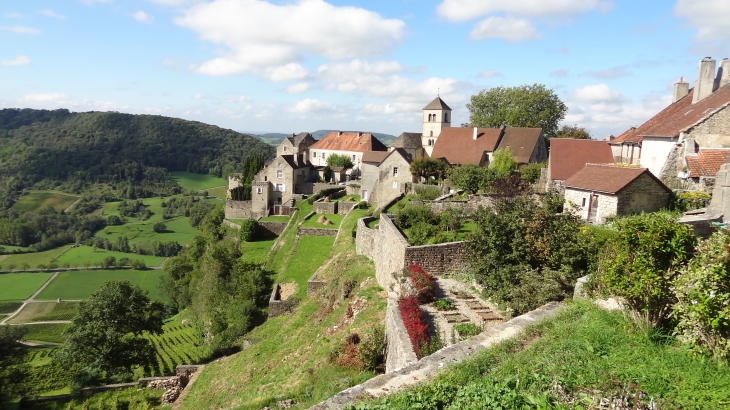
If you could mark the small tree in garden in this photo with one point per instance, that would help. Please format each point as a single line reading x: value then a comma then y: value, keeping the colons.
x: 248, y: 230
x: 337, y: 160
x: 428, y: 167
x: 503, y: 163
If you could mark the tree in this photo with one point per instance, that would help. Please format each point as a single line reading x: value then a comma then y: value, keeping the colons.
x: 337, y: 160
x: 109, y: 262
x: 525, y: 106
x: 106, y: 337
x: 13, y: 368
x: 159, y: 227
x: 428, y: 167
x: 470, y: 177
x: 248, y: 230
x: 573, y: 131
x: 503, y: 164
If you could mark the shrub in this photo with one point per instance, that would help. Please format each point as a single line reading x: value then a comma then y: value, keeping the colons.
x: 327, y: 171
x: 159, y: 227
x: 466, y: 330
x: 337, y: 160
x: 137, y: 264
x: 420, y: 233
x: 641, y: 264
x: 424, y: 283
x: 362, y: 205
x: 503, y: 163
x: 427, y: 193
x: 109, y: 262
x: 531, y: 172
x: 703, y: 294
x: 410, y: 215
x: 687, y: 201
x: 123, y: 261
x: 410, y: 312
x: 248, y: 230
x: 371, y: 350
x: 443, y: 304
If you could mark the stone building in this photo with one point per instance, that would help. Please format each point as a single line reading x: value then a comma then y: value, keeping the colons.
x: 410, y: 142
x: 370, y: 173
x: 386, y: 179
x: 702, y: 165
x: 601, y: 190
x: 436, y: 117
x: 568, y: 156
x: 296, y: 144
x: 350, y: 144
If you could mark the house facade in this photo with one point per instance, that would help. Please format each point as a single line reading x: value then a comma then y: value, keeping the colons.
x: 411, y: 143
x: 296, y: 144
x: 350, y: 144
x: 384, y: 177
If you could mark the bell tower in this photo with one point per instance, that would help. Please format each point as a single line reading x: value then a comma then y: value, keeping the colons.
x: 436, y: 116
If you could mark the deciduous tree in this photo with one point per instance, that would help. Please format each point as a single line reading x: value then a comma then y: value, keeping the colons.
x: 573, y: 131
x: 429, y: 167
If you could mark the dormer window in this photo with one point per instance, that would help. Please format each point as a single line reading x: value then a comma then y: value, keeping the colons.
x: 285, y: 148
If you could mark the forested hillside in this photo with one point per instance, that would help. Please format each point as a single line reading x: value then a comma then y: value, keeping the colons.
x: 73, y: 151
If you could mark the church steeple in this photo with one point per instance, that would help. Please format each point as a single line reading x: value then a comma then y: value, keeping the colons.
x: 436, y: 116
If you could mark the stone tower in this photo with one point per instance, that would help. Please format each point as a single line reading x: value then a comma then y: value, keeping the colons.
x: 436, y: 116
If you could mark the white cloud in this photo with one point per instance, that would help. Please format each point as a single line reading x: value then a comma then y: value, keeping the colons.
x: 12, y: 15
x: 20, y: 29
x: 510, y: 29
x: 52, y: 14
x: 176, y: 3
x: 312, y: 106
x: 142, y: 17
x: 604, y: 118
x: 464, y: 10
x: 600, y: 93
x: 198, y: 96
x: 260, y: 35
x: 19, y: 60
x: 297, y: 88
x: 291, y: 71
x: 45, y: 98
x: 710, y: 17
x: 490, y: 74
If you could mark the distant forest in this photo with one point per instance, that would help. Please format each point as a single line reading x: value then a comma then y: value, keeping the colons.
x: 58, y: 149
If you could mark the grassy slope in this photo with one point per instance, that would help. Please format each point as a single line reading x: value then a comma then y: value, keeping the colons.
x: 256, y: 251
x: 33, y: 258
x: 36, y: 200
x: 585, y: 349
x: 288, y: 355
x: 14, y: 286
x: 312, y: 222
x: 197, y: 182
x: 77, y: 257
x: 80, y: 284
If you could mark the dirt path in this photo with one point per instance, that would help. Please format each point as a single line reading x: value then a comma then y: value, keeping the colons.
x: 29, y: 300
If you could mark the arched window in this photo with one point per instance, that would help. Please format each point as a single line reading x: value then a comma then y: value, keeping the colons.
x: 431, y: 134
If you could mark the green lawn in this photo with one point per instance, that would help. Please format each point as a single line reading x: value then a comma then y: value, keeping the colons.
x: 80, y: 284
x: 11, y: 248
x: 256, y: 251
x: 197, y: 182
x: 310, y: 254
x: 33, y: 259
x: 77, y: 257
x: 18, y: 286
x: 312, y: 222
x: 220, y: 192
x: 275, y: 218
x: 36, y: 200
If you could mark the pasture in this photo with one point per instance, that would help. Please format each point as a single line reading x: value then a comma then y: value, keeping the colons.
x: 310, y: 254
x: 178, y: 229
x: 36, y: 200
x: 81, y: 284
x: 19, y: 286
x: 86, y: 256
x: 219, y: 192
x: 197, y: 182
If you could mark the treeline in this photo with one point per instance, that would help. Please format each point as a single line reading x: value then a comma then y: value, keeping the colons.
x: 48, y: 228
x: 132, y: 153
x: 148, y: 247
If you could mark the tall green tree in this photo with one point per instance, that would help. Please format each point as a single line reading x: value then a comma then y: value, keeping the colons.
x: 13, y: 369
x: 337, y: 160
x: 503, y: 163
x: 471, y: 178
x: 105, y: 339
x: 534, y: 106
x: 573, y: 131
x: 429, y: 167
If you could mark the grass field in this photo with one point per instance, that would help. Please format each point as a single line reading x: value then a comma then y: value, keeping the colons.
x: 45, y: 332
x: 256, y: 251
x: 31, y: 311
x: 19, y: 286
x: 36, y: 200
x: 77, y: 257
x: 219, y: 192
x: 178, y: 229
x: 80, y: 284
x: 312, y: 222
x: 10, y: 248
x: 310, y: 254
x: 33, y: 259
x: 197, y: 182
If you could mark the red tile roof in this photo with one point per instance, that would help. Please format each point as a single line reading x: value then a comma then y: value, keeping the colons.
x: 522, y: 142
x: 457, y: 144
x: 707, y: 162
x: 568, y: 156
x: 609, y: 179
x: 349, y: 141
x: 679, y: 116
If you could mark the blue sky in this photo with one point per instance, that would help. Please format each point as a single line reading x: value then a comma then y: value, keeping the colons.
x: 291, y: 66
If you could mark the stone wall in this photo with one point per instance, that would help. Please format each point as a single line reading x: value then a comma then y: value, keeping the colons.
x: 365, y: 237
x: 642, y: 195
x: 322, y: 207
x: 316, y: 232
x: 714, y: 131
x: 438, y: 259
x: 273, y: 228
x: 343, y: 207
x: 238, y: 209
x: 276, y: 305
x: 399, y: 350
x: 389, y: 254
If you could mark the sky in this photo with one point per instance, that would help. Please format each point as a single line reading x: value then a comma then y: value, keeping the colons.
x: 303, y: 65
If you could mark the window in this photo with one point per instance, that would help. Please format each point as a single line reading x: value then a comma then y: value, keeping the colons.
x: 280, y: 188
x: 395, y: 171
x: 395, y: 184
x: 446, y: 117
x: 324, y: 155
x: 431, y: 134
x: 314, y: 155
x: 584, y: 202
x: 259, y: 190
x: 354, y: 158
x: 279, y: 165
x: 279, y: 174
x: 285, y: 148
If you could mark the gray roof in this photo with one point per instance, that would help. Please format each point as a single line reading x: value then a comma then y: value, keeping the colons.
x: 437, y: 104
x: 297, y: 139
x: 407, y: 140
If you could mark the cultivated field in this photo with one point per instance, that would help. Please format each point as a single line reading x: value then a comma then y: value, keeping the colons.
x: 86, y: 256
x: 19, y: 286
x: 36, y: 200
x: 45, y: 332
x: 197, y: 182
x: 177, y: 345
x: 31, y: 311
x: 81, y: 284
x: 32, y: 259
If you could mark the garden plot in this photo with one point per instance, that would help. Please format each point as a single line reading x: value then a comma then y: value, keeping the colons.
x: 462, y: 313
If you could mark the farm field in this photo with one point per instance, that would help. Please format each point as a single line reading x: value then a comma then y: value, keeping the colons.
x: 19, y: 286
x: 8, y: 306
x: 32, y: 310
x: 178, y: 344
x: 32, y: 259
x: 197, y: 182
x: 80, y: 284
x: 312, y: 222
x: 310, y: 254
x: 36, y: 200
x: 256, y: 251
x: 59, y: 311
x: 45, y: 332
x: 78, y: 256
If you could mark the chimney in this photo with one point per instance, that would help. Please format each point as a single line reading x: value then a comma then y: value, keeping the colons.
x: 681, y: 89
x: 339, y: 134
x: 476, y: 132
x: 723, y: 74
x: 359, y: 134
x: 705, y: 79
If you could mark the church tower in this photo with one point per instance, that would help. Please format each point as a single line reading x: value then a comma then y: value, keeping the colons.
x: 436, y: 116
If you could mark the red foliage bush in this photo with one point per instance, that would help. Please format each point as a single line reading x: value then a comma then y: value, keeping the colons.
x: 410, y: 312
x: 424, y: 283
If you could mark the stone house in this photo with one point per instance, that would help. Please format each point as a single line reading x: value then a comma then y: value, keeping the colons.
x: 281, y: 179
x: 387, y: 179
x: 601, y: 190
x: 350, y: 144
x: 697, y: 116
x: 568, y: 156
x: 411, y: 143
x: 477, y: 145
x: 702, y: 165
x: 296, y: 144
x: 370, y: 173
x: 528, y: 145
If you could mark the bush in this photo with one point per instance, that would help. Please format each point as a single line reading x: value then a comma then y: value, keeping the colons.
x: 362, y: 205
x: 159, y: 227
x: 467, y: 330
x: 531, y: 172
x: 248, y: 230
x: 443, y: 304
x: 703, y: 294
x: 411, y: 215
x: 137, y: 264
x: 424, y: 283
x: 427, y: 193
x: 371, y: 350
x: 687, y: 201
x: 109, y: 262
x: 410, y: 312
x: 420, y: 233
x: 641, y: 264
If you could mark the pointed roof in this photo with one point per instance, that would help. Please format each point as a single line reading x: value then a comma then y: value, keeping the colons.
x: 298, y: 138
x: 458, y: 146
x: 437, y: 104
x: 407, y: 140
x: 608, y: 179
x: 522, y: 142
x: 568, y: 156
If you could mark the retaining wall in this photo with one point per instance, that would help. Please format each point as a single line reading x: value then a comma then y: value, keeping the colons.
x: 276, y: 305
x: 343, y: 207
x: 365, y: 238
x: 238, y: 209
x: 316, y: 232
x: 322, y: 207
x: 438, y: 259
x: 399, y: 350
x: 273, y: 228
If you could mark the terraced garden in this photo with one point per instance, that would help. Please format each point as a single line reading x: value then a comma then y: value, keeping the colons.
x: 178, y: 345
x: 334, y: 218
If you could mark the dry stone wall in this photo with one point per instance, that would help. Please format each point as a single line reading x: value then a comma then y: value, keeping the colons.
x: 276, y: 305
x: 343, y: 207
x: 316, y: 232
x: 322, y: 207
x: 365, y: 237
x: 238, y: 209
x: 399, y: 350
x: 438, y: 259
x: 274, y: 228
